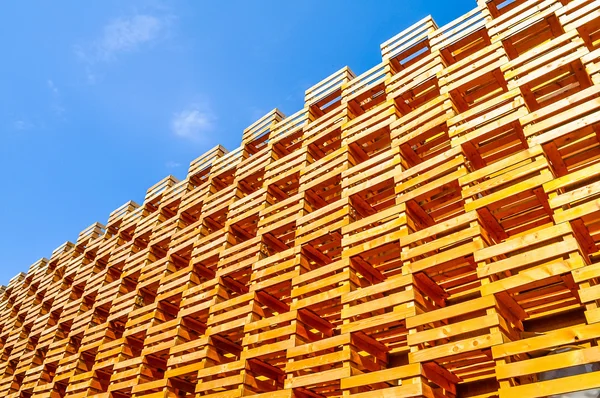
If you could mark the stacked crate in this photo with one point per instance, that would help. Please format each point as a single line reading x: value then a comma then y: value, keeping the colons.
x: 428, y: 228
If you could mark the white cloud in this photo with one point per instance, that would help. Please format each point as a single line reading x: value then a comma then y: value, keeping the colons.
x: 22, y: 125
x: 52, y: 87
x: 193, y: 122
x: 122, y: 35
x: 90, y: 75
x: 172, y: 164
x: 56, y: 104
x: 128, y: 34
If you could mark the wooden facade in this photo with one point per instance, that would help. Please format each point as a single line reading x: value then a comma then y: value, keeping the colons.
x: 429, y: 228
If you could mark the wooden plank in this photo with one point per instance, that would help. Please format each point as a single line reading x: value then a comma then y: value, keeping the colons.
x: 533, y: 274
x: 457, y: 348
x: 393, y: 374
x: 559, y: 386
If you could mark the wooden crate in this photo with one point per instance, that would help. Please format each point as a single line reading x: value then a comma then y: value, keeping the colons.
x: 184, y: 357
x: 592, y: 65
x: 226, y: 372
x: 205, y: 254
x: 283, y: 175
x: 442, y: 256
x: 366, y: 90
x: 369, y: 134
x: 277, y: 224
x: 475, y: 78
x: 165, y: 332
x: 223, y: 170
x: 423, y: 133
x: 273, y: 274
x: 321, y: 287
x: 532, y: 273
x: 491, y: 130
x: 217, y: 206
x: 500, y: 7
x: 376, y: 222
x: 324, y: 175
x: 379, y: 307
x: 155, y: 193
x: 125, y: 376
x: 582, y: 15
x: 406, y: 43
x: 431, y: 190
x: 236, y: 259
x: 266, y: 343
x: 243, y: 223
x: 323, y: 225
x: 550, y: 72
x: 417, y: 81
x: 459, y: 338
x: 326, y: 95
x: 523, y: 25
x: 286, y: 135
x: 173, y: 195
x: 521, y: 364
x: 462, y: 37
x: 587, y: 278
x: 200, y: 168
x: 566, y: 130
x: 325, y: 132
x: 192, y: 201
x: 321, y: 366
x: 256, y: 135
x: 508, y: 195
x: 250, y: 172
x: 574, y: 199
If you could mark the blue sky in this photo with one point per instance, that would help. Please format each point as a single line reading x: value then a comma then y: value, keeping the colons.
x: 100, y: 100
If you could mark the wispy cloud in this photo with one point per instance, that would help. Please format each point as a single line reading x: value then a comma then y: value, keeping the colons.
x: 22, y: 125
x: 172, y: 164
x: 52, y: 87
x: 128, y: 34
x: 122, y: 35
x: 34, y: 118
x: 193, y: 122
x: 56, y: 104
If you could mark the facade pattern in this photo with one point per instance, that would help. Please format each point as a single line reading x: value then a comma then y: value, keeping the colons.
x: 429, y: 228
